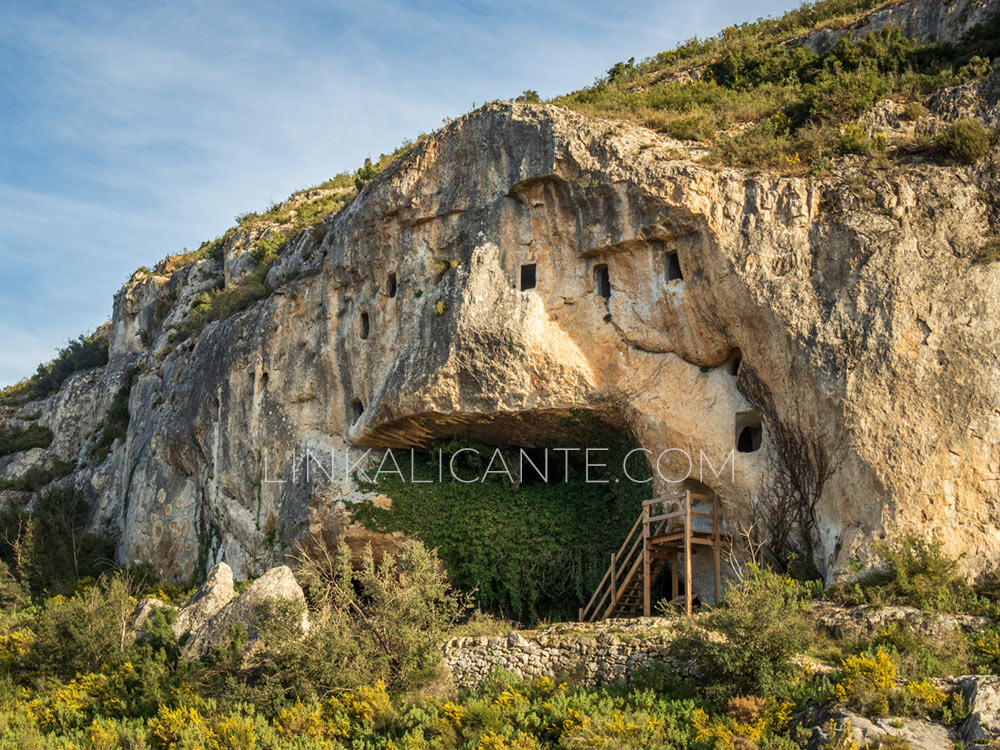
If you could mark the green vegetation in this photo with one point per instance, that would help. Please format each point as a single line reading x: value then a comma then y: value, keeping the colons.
x: 80, y: 354
x: 115, y: 425
x: 966, y: 140
x: 367, y: 675
x: 792, y: 102
x: 915, y: 572
x: 32, y: 436
x: 762, y: 627
x: 530, y: 551
x: 35, y: 478
x: 49, y: 548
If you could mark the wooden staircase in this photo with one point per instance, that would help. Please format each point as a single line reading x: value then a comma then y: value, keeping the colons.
x: 666, y: 529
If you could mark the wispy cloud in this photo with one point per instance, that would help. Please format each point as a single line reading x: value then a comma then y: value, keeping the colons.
x: 130, y: 130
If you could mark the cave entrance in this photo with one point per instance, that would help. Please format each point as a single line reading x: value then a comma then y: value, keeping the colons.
x: 390, y: 285
x: 749, y: 432
x: 533, y: 543
x: 365, y: 325
x: 602, y: 280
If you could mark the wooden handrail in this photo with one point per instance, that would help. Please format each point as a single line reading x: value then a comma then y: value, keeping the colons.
x: 653, y: 537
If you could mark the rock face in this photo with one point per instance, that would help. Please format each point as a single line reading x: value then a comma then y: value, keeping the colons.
x: 841, y: 321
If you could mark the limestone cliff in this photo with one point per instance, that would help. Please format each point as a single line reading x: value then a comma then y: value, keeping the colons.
x: 845, y: 315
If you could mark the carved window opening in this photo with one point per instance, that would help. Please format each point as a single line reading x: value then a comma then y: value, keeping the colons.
x: 528, y: 277
x: 749, y: 432
x: 365, y: 325
x: 672, y: 267
x: 390, y: 285
x: 602, y: 280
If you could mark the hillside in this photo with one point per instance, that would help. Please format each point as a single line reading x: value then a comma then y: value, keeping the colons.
x: 833, y: 304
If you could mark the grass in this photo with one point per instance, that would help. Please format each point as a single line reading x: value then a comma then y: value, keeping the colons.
x: 760, y: 102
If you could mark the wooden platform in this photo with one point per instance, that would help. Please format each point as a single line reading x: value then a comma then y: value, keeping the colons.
x: 666, y: 529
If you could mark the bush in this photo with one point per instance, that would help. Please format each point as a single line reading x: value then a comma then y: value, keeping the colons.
x: 383, y: 621
x: 966, y: 140
x: 752, y: 637
x: 913, y: 572
x: 115, y: 425
x: 868, y: 684
x: 222, y: 303
x: 49, y: 548
x: 82, y: 354
x: 32, y: 436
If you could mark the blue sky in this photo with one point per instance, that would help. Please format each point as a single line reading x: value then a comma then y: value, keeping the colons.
x: 130, y: 130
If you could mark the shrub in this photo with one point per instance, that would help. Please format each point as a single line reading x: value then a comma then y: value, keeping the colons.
x: 267, y: 249
x: 37, y: 477
x: 966, y: 140
x: 49, y: 548
x: 228, y: 301
x: 382, y: 621
x: 854, y: 140
x: 32, y: 436
x: 752, y: 637
x: 868, y: 684
x: 81, y: 354
x: 989, y: 252
x: 115, y: 424
x: 914, y: 572
x: 913, y: 111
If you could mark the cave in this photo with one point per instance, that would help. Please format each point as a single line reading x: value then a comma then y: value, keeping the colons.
x: 672, y: 267
x: 365, y: 325
x: 390, y: 285
x: 528, y: 277
x: 749, y: 432
x: 602, y: 280
x: 733, y: 362
x: 357, y: 409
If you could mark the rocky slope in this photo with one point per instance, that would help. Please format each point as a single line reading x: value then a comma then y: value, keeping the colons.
x: 845, y: 315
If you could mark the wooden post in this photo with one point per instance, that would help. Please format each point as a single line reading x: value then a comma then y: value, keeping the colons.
x: 687, y: 553
x: 675, y: 572
x: 715, y: 548
x: 646, y: 605
x: 580, y: 619
x: 614, y: 584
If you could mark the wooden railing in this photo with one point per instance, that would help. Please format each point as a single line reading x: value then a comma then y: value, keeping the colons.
x: 664, y: 526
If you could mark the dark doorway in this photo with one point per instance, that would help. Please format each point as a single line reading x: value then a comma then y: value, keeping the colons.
x: 672, y: 267
x: 602, y: 281
x: 390, y: 285
x: 528, y: 276
x: 365, y: 325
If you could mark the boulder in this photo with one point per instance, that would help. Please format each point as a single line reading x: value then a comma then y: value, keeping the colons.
x: 916, y: 733
x: 246, y: 611
x: 215, y: 593
x: 982, y: 693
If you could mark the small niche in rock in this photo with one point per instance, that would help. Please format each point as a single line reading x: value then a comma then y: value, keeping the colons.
x: 672, y: 267
x: 749, y: 431
x: 390, y: 285
x: 357, y: 409
x: 602, y: 280
x: 365, y: 325
x: 528, y: 276
x: 733, y: 362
